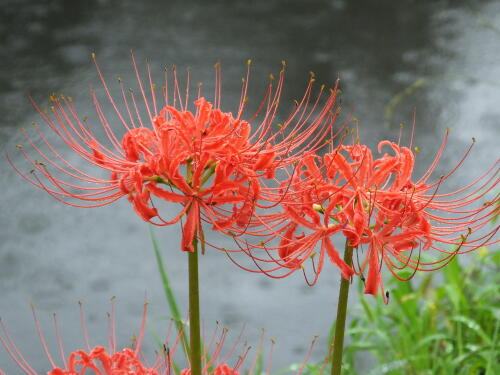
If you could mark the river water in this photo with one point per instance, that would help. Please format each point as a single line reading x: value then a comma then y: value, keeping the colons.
x: 440, y: 59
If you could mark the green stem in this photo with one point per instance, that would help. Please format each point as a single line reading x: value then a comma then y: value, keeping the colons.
x: 338, y: 341
x: 194, y: 311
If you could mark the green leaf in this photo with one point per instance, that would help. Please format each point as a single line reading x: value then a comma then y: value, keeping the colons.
x: 388, y: 367
x: 472, y: 325
x: 430, y: 338
x: 169, y: 293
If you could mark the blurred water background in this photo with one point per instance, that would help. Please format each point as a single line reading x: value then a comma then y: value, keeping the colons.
x: 440, y: 58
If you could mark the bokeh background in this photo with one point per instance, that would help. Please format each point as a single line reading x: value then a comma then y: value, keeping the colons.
x: 439, y: 58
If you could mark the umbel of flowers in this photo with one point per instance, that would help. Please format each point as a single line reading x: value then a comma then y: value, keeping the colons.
x: 201, y: 157
x: 387, y: 217
x: 383, y: 212
x: 112, y: 360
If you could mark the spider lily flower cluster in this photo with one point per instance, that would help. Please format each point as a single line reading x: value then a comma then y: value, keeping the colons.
x: 385, y: 215
x: 110, y: 360
x: 130, y: 360
x: 204, y: 159
x: 98, y: 359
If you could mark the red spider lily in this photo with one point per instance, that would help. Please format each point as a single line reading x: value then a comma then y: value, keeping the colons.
x: 210, y: 162
x: 100, y: 360
x: 376, y: 202
x: 110, y: 361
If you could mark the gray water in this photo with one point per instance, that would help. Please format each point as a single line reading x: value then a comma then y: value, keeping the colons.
x: 54, y: 255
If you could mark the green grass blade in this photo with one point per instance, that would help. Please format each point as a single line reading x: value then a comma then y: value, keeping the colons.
x: 472, y: 325
x: 169, y: 293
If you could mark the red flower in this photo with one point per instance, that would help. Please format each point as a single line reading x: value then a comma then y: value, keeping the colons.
x: 208, y: 161
x: 98, y: 359
x: 111, y: 361
x: 374, y: 203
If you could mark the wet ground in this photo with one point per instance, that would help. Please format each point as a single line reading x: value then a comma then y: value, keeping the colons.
x: 440, y: 58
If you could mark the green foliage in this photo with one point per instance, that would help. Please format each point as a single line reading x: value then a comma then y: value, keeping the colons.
x: 442, y: 326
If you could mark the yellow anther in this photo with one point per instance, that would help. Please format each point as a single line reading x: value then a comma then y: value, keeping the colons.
x: 312, y: 255
x: 93, y: 55
x: 19, y: 146
x: 317, y: 207
x: 217, y: 64
x: 279, y: 125
x: 70, y: 99
x: 447, y: 130
x: 474, y: 139
x: 271, y: 76
x: 295, y: 101
x: 249, y: 62
x: 312, y: 74
x: 34, y: 123
x: 417, y: 149
x: 283, y: 62
x: 200, y: 84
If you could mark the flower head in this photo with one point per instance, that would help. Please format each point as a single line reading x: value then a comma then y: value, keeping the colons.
x: 212, y: 163
x: 387, y: 215
x: 110, y: 360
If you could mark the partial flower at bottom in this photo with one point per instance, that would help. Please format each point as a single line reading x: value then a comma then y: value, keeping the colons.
x: 110, y: 360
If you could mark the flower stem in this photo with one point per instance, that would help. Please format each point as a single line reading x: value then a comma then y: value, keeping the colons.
x: 194, y: 311
x: 338, y: 341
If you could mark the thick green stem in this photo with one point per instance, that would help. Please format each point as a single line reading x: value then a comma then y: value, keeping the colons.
x: 338, y: 341
x: 194, y: 312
